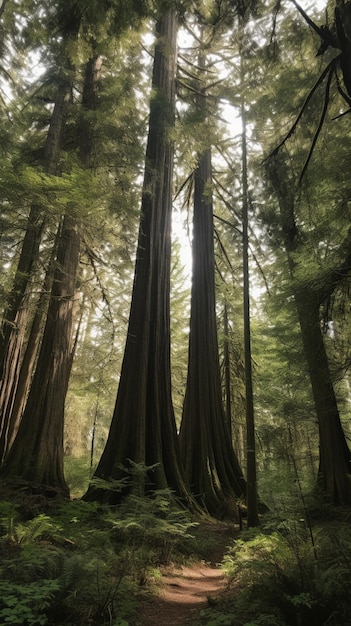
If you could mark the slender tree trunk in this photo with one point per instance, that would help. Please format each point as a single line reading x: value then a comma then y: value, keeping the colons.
x: 334, y: 455
x: 227, y: 377
x: 251, y: 493
x: 143, y: 429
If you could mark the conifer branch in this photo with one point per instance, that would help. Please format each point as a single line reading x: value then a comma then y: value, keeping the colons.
x: 329, y: 69
x: 324, y: 32
x: 320, y: 125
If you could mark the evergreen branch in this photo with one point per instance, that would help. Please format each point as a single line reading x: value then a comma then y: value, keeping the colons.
x: 260, y: 269
x: 189, y: 74
x: 336, y: 275
x: 188, y: 181
x: 2, y: 8
x: 321, y: 78
x: 227, y: 223
x: 148, y: 52
x: 223, y: 250
x: 194, y: 65
x: 221, y: 219
x: 6, y: 110
x: 218, y: 271
x: 215, y: 83
x: 226, y: 202
x: 8, y: 76
x: 320, y: 124
x: 192, y: 89
x: 341, y: 115
x: 275, y: 12
x: 92, y: 258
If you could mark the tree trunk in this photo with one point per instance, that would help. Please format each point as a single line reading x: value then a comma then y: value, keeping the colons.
x: 27, y: 367
x: 143, y: 429
x: 16, y: 312
x: 36, y: 455
x: 41, y: 461
x: 211, y: 466
x: 334, y: 455
x: 251, y: 493
x: 227, y: 377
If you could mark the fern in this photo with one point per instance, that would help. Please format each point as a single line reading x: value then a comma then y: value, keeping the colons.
x: 37, y: 528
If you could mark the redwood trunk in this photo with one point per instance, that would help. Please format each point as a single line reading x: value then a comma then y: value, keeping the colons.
x: 143, y: 429
x: 36, y: 455
x: 16, y: 312
x: 334, y: 454
x: 211, y: 466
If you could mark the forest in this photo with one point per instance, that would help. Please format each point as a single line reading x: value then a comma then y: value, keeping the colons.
x: 175, y: 345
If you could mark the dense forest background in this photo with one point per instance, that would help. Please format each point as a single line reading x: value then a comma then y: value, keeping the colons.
x: 175, y: 267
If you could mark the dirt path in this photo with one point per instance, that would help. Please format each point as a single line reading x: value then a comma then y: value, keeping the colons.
x: 183, y: 591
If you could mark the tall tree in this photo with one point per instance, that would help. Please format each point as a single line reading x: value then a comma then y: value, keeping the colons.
x: 41, y: 461
x: 251, y: 492
x: 143, y: 429
x: 15, y: 317
x: 36, y: 455
x: 335, y: 457
x: 210, y: 463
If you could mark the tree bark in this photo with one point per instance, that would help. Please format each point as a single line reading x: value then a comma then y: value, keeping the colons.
x: 143, y: 429
x: 15, y: 316
x: 226, y: 364
x: 251, y: 473
x: 210, y: 463
x: 28, y: 363
x: 334, y: 454
x: 36, y: 455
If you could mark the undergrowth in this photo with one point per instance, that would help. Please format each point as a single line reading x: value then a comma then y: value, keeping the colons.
x: 82, y: 564
x: 287, y: 573
x: 77, y: 563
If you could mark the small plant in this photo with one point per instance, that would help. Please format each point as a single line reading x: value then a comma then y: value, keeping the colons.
x: 150, y: 529
x: 36, y: 528
x: 279, y: 570
x: 26, y: 604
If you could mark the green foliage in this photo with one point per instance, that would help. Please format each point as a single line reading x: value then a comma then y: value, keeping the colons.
x: 285, y: 577
x: 77, y: 474
x: 149, y: 530
x: 26, y: 604
x: 81, y: 563
x: 36, y: 528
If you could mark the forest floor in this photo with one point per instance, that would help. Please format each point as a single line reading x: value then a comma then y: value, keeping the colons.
x: 184, y: 591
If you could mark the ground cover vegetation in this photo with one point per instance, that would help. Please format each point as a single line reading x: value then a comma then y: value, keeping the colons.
x: 175, y: 259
